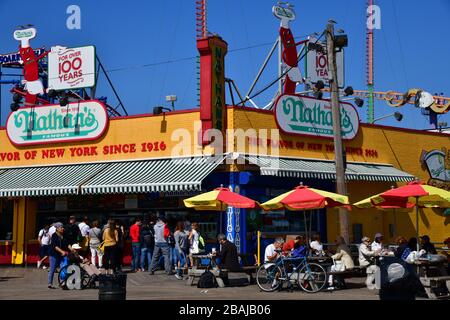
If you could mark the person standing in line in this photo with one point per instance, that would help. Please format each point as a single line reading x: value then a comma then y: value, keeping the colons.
x: 95, y: 238
x: 44, y: 245
x: 181, y: 249
x: 194, y: 240
x: 111, y: 240
x: 135, y: 231
x: 120, y: 244
x: 162, y: 232
x: 72, y: 231
x: 427, y: 245
x: 147, y: 240
x: 59, y: 248
x: 84, y: 231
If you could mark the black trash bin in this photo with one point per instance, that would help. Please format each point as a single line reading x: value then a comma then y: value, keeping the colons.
x: 398, y: 280
x: 112, y: 287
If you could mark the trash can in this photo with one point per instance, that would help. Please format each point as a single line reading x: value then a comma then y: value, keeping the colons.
x: 112, y: 286
x: 398, y: 280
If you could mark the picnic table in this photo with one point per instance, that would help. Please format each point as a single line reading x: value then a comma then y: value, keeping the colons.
x: 434, y: 278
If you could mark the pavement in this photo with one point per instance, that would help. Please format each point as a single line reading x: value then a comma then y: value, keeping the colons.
x: 30, y: 283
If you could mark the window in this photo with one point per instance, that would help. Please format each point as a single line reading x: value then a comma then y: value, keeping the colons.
x: 6, y: 220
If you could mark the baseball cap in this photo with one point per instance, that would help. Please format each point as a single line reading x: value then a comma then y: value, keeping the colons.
x: 378, y: 235
x: 76, y: 246
x: 58, y: 225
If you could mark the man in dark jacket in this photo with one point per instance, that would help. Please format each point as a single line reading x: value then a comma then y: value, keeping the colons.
x: 228, y: 254
x: 72, y: 232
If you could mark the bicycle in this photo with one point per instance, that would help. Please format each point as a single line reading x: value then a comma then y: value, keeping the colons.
x: 87, y: 281
x: 311, y: 277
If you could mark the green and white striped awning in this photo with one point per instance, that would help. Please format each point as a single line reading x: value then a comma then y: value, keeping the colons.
x: 159, y: 175
x: 176, y: 174
x: 46, y: 181
x: 323, y: 169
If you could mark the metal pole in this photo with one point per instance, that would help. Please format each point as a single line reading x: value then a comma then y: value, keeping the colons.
x: 262, y: 69
x: 280, y: 66
x: 417, y: 223
x: 338, y: 148
x: 259, y: 247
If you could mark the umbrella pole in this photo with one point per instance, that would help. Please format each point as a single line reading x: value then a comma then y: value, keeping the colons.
x: 395, y: 225
x: 417, y: 222
x: 306, y: 227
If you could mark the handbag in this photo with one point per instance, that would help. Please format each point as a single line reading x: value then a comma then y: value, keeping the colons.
x: 101, y: 247
x: 339, y: 265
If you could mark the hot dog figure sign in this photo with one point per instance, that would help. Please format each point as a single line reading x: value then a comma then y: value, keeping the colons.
x: 72, y: 68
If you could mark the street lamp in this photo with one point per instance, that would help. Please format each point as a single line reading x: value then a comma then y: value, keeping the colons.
x: 159, y: 109
x: 397, y: 115
x: 172, y: 99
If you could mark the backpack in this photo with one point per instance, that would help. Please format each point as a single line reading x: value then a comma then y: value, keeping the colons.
x: 201, y: 242
x: 207, y: 280
x: 149, y: 239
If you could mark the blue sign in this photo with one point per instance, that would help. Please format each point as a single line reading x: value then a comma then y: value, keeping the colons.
x: 14, y: 58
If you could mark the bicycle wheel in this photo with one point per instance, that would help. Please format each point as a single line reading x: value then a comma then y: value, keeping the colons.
x: 312, y: 277
x: 268, y: 277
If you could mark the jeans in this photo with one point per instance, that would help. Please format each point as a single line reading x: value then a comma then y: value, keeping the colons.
x: 95, y: 252
x: 136, y: 246
x: 146, y: 253
x: 164, y: 249
x: 54, y: 263
x: 181, y: 258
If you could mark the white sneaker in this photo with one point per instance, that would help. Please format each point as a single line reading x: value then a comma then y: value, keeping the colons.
x: 39, y: 264
x: 44, y: 267
x: 178, y: 276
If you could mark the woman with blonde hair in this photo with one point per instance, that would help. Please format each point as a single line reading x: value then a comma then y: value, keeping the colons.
x: 110, y: 239
x: 342, y: 260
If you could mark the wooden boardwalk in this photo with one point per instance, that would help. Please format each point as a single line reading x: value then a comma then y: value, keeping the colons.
x: 19, y: 283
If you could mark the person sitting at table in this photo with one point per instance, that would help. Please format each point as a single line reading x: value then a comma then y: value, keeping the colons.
x: 366, y: 259
x: 412, y: 244
x: 343, y: 255
x: 228, y: 254
x: 403, y: 250
x: 427, y: 245
x: 272, y: 252
x: 315, y: 245
x: 377, y: 243
x: 300, y: 249
x: 289, y: 245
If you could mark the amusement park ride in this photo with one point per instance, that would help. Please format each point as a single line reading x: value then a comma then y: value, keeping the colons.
x: 30, y: 90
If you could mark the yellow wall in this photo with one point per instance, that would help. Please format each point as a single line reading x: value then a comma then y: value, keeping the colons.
x: 378, y: 144
x: 128, y: 131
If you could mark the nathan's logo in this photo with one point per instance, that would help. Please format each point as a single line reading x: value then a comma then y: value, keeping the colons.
x: 29, y: 33
x: 308, y: 116
x: 50, y: 124
x: 437, y: 163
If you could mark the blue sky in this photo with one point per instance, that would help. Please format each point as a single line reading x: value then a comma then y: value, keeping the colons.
x: 149, y: 45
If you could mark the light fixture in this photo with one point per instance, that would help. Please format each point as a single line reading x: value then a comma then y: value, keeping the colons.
x: 318, y: 86
x: 159, y: 109
x: 340, y: 41
x: 63, y: 100
x: 348, y: 91
x: 52, y: 93
x: 397, y: 115
x: 359, y: 102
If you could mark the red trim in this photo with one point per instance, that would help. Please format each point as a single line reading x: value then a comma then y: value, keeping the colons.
x: 61, y: 141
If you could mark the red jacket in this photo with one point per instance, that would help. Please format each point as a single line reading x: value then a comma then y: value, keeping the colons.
x: 134, y: 233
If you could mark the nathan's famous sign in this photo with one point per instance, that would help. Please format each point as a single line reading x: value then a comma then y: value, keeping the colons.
x: 308, y: 116
x: 85, y: 120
